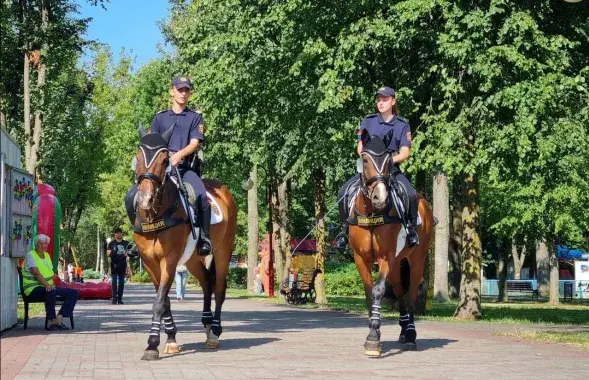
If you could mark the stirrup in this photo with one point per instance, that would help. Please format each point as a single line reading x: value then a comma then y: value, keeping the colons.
x: 204, y: 242
x: 341, y: 241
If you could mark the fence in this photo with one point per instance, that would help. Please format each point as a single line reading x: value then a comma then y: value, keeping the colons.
x: 580, y: 288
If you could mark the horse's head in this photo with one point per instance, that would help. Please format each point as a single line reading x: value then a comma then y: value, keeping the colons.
x: 375, y: 168
x: 152, y: 163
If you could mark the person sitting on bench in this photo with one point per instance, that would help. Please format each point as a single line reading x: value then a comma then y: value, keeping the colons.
x: 38, y: 284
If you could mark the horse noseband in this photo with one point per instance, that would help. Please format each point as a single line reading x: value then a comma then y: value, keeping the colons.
x: 149, y: 176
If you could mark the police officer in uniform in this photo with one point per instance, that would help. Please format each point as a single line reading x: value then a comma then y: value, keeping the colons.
x: 380, y: 124
x: 186, y: 138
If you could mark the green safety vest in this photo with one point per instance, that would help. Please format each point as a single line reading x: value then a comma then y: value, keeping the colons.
x: 29, y: 282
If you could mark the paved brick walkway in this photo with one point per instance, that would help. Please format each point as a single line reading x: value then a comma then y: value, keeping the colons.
x: 262, y: 340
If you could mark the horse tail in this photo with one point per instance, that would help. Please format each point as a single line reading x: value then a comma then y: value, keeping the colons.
x: 405, y: 274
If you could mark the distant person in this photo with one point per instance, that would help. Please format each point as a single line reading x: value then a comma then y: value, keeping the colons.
x: 38, y: 284
x: 180, y: 278
x: 70, y: 272
x: 117, y: 250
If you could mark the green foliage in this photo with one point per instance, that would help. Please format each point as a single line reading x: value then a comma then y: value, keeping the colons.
x: 342, y: 279
x: 142, y: 277
x: 91, y: 274
x: 237, y: 278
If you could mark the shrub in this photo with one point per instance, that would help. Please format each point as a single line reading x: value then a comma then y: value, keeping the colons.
x: 342, y: 279
x: 141, y: 277
x: 237, y: 278
x: 91, y: 274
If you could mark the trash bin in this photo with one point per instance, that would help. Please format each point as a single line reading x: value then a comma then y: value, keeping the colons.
x: 568, y: 291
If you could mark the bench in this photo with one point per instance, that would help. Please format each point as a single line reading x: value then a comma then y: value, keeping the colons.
x: 522, y: 287
x: 28, y: 299
x: 302, y: 290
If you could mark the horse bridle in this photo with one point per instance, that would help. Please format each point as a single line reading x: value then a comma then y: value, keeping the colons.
x: 378, y: 178
x: 159, y: 183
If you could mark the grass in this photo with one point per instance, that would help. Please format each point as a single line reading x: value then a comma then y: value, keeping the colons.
x: 524, y: 313
x: 580, y: 338
x: 34, y: 309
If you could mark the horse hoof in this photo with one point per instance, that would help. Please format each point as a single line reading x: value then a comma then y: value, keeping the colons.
x: 402, y: 339
x: 372, y: 349
x: 208, y: 330
x: 171, y: 348
x: 151, y: 355
x: 212, y: 342
x: 410, y: 346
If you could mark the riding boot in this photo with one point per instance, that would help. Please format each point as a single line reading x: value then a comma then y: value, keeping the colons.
x: 204, y: 221
x: 412, y: 236
x: 341, y: 240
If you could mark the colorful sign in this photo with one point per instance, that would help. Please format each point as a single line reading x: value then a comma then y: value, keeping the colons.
x: 21, y: 213
x: 582, y: 270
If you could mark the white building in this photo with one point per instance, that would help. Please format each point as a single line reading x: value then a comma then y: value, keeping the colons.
x: 14, y: 242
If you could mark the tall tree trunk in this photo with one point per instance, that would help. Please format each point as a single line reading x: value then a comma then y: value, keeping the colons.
x: 543, y: 269
x: 518, y: 260
x: 319, y: 177
x: 276, y: 236
x: 2, y: 113
x: 252, y: 230
x: 283, y: 222
x: 554, y: 276
x: 442, y: 236
x: 98, y: 251
x: 27, y: 108
x: 455, y: 249
x: 469, y: 306
x: 502, y: 272
x: 41, y: 88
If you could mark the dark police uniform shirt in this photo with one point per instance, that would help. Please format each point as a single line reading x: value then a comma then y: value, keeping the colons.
x: 185, y: 127
x: 117, y: 250
x: 376, y: 126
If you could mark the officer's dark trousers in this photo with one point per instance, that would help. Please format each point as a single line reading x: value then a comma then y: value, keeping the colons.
x: 343, y: 213
x: 412, y: 194
x: 70, y: 297
x: 117, y: 277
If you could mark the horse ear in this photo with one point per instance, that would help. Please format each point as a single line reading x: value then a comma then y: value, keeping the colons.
x: 167, y: 134
x: 365, y: 137
x: 142, y: 131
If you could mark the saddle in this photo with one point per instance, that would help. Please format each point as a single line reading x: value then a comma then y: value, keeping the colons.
x: 396, y: 211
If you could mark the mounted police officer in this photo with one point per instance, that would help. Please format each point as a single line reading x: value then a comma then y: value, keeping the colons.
x: 380, y: 124
x: 187, y: 136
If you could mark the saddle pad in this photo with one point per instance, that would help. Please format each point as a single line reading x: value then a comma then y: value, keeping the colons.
x: 216, y: 217
x: 216, y: 214
x: 188, y: 250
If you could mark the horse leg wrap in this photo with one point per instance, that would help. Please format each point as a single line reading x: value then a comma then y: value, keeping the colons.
x: 170, y: 326
x: 410, y: 332
x: 216, y: 327
x: 403, y: 322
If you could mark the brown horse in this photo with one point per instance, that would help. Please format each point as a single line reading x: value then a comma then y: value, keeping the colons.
x: 379, y: 236
x: 162, y: 236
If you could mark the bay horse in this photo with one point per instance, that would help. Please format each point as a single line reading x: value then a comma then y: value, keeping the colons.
x: 377, y: 235
x: 164, y: 239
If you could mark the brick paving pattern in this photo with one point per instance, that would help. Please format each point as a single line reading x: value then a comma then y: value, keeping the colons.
x: 268, y: 341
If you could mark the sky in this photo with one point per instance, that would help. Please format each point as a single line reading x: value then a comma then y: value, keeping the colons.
x: 128, y: 24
